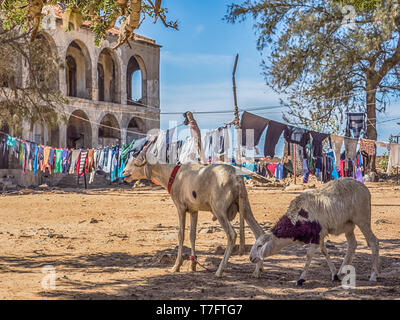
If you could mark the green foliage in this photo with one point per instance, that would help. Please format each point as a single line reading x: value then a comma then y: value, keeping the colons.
x: 325, y: 66
x: 361, y: 4
x: 382, y: 161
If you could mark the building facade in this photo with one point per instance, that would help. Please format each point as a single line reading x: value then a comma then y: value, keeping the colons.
x: 113, y: 95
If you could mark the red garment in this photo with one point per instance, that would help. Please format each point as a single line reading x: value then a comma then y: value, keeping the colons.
x: 272, y: 167
x: 343, y: 172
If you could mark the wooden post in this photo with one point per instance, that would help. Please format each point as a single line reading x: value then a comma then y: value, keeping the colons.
x: 294, y: 164
x: 194, y: 131
x: 236, y: 111
x: 242, y: 244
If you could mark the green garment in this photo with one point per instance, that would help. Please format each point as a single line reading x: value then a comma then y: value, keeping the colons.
x: 22, y: 153
x: 58, y: 166
x: 125, y: 152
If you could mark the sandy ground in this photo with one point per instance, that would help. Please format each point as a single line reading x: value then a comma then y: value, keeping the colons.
x: 121, y: 243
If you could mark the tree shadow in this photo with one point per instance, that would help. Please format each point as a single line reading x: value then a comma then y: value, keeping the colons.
x: 125, y: 281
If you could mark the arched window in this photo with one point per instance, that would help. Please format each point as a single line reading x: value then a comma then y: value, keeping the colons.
x: 78, y: 70
x: 110, y: 89
x: 134, y: 82
x: 71, y: 77
x: 100, y: 81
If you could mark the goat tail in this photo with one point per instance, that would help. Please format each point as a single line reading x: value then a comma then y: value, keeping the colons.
x: 245, y: 210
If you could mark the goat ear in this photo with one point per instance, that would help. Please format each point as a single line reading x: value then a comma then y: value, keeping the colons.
x: 148, y: 171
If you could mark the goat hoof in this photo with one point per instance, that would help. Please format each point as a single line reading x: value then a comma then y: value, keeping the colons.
x: 257, y: 274
x: 300, y: 282
x: 335, y: 278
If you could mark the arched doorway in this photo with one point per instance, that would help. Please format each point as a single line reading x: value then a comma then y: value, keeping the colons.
x: 79, y: 131
x: 136, y: 81
x: 135, y: 127
x: 109, y: 131
x: 78, y: 71
x: 110, y: 88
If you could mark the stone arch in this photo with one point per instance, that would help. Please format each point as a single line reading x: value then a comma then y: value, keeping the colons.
x: 78, y: 51
x: 108, y: 61
x: 109, y: 130
x: 136, y: 127
x: 79, y: 130
x: 136, y: 67
x: 51, y: 46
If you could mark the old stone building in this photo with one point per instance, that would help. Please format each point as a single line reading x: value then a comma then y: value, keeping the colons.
x: 114, y: 95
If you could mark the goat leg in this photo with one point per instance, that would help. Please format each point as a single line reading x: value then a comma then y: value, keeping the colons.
x: 193, y: 226
x: 181, y: 238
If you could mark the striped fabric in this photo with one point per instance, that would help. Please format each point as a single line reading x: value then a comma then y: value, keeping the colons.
x: 356, y: 123
x: 82, y: 162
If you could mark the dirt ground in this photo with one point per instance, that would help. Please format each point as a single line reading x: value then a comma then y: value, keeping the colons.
x: 121, y: 243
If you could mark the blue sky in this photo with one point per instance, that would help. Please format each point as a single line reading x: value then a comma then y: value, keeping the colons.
x: 197, y: 63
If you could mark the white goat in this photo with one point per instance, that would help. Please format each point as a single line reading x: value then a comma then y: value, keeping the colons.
x: 216, y: 188
x: 335, y: 208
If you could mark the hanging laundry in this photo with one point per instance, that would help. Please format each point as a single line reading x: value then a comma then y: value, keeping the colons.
x: 81, y: 169
x: 355, y: 123
x: 317, y: 141
x: 309, y: 154
x: 271, y: 167
x: 359, y: 175
x: 368, y: 146
x: 334, y: 173
x: 350, y: 145
x: 394, y: 157
x: 138, y: 145
x: 114, y: 163
x: 297, y: 136
x: 11, y: 143
x: 252, y: 122
x: 336, y: 142
x: 97, y: 154
x: 279, y: 171
x: 189, y: 152
x: 382, y: 144
x: 126, y: 150
x: 306, y: 171
x: 46, y: 159
x: 74, y: 159
x: 90, y: 161
x: 274, y: 131
x: 107, y: 160
x: 58, y: 166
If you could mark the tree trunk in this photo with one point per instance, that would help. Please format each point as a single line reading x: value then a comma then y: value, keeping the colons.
x: 371, y: 124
